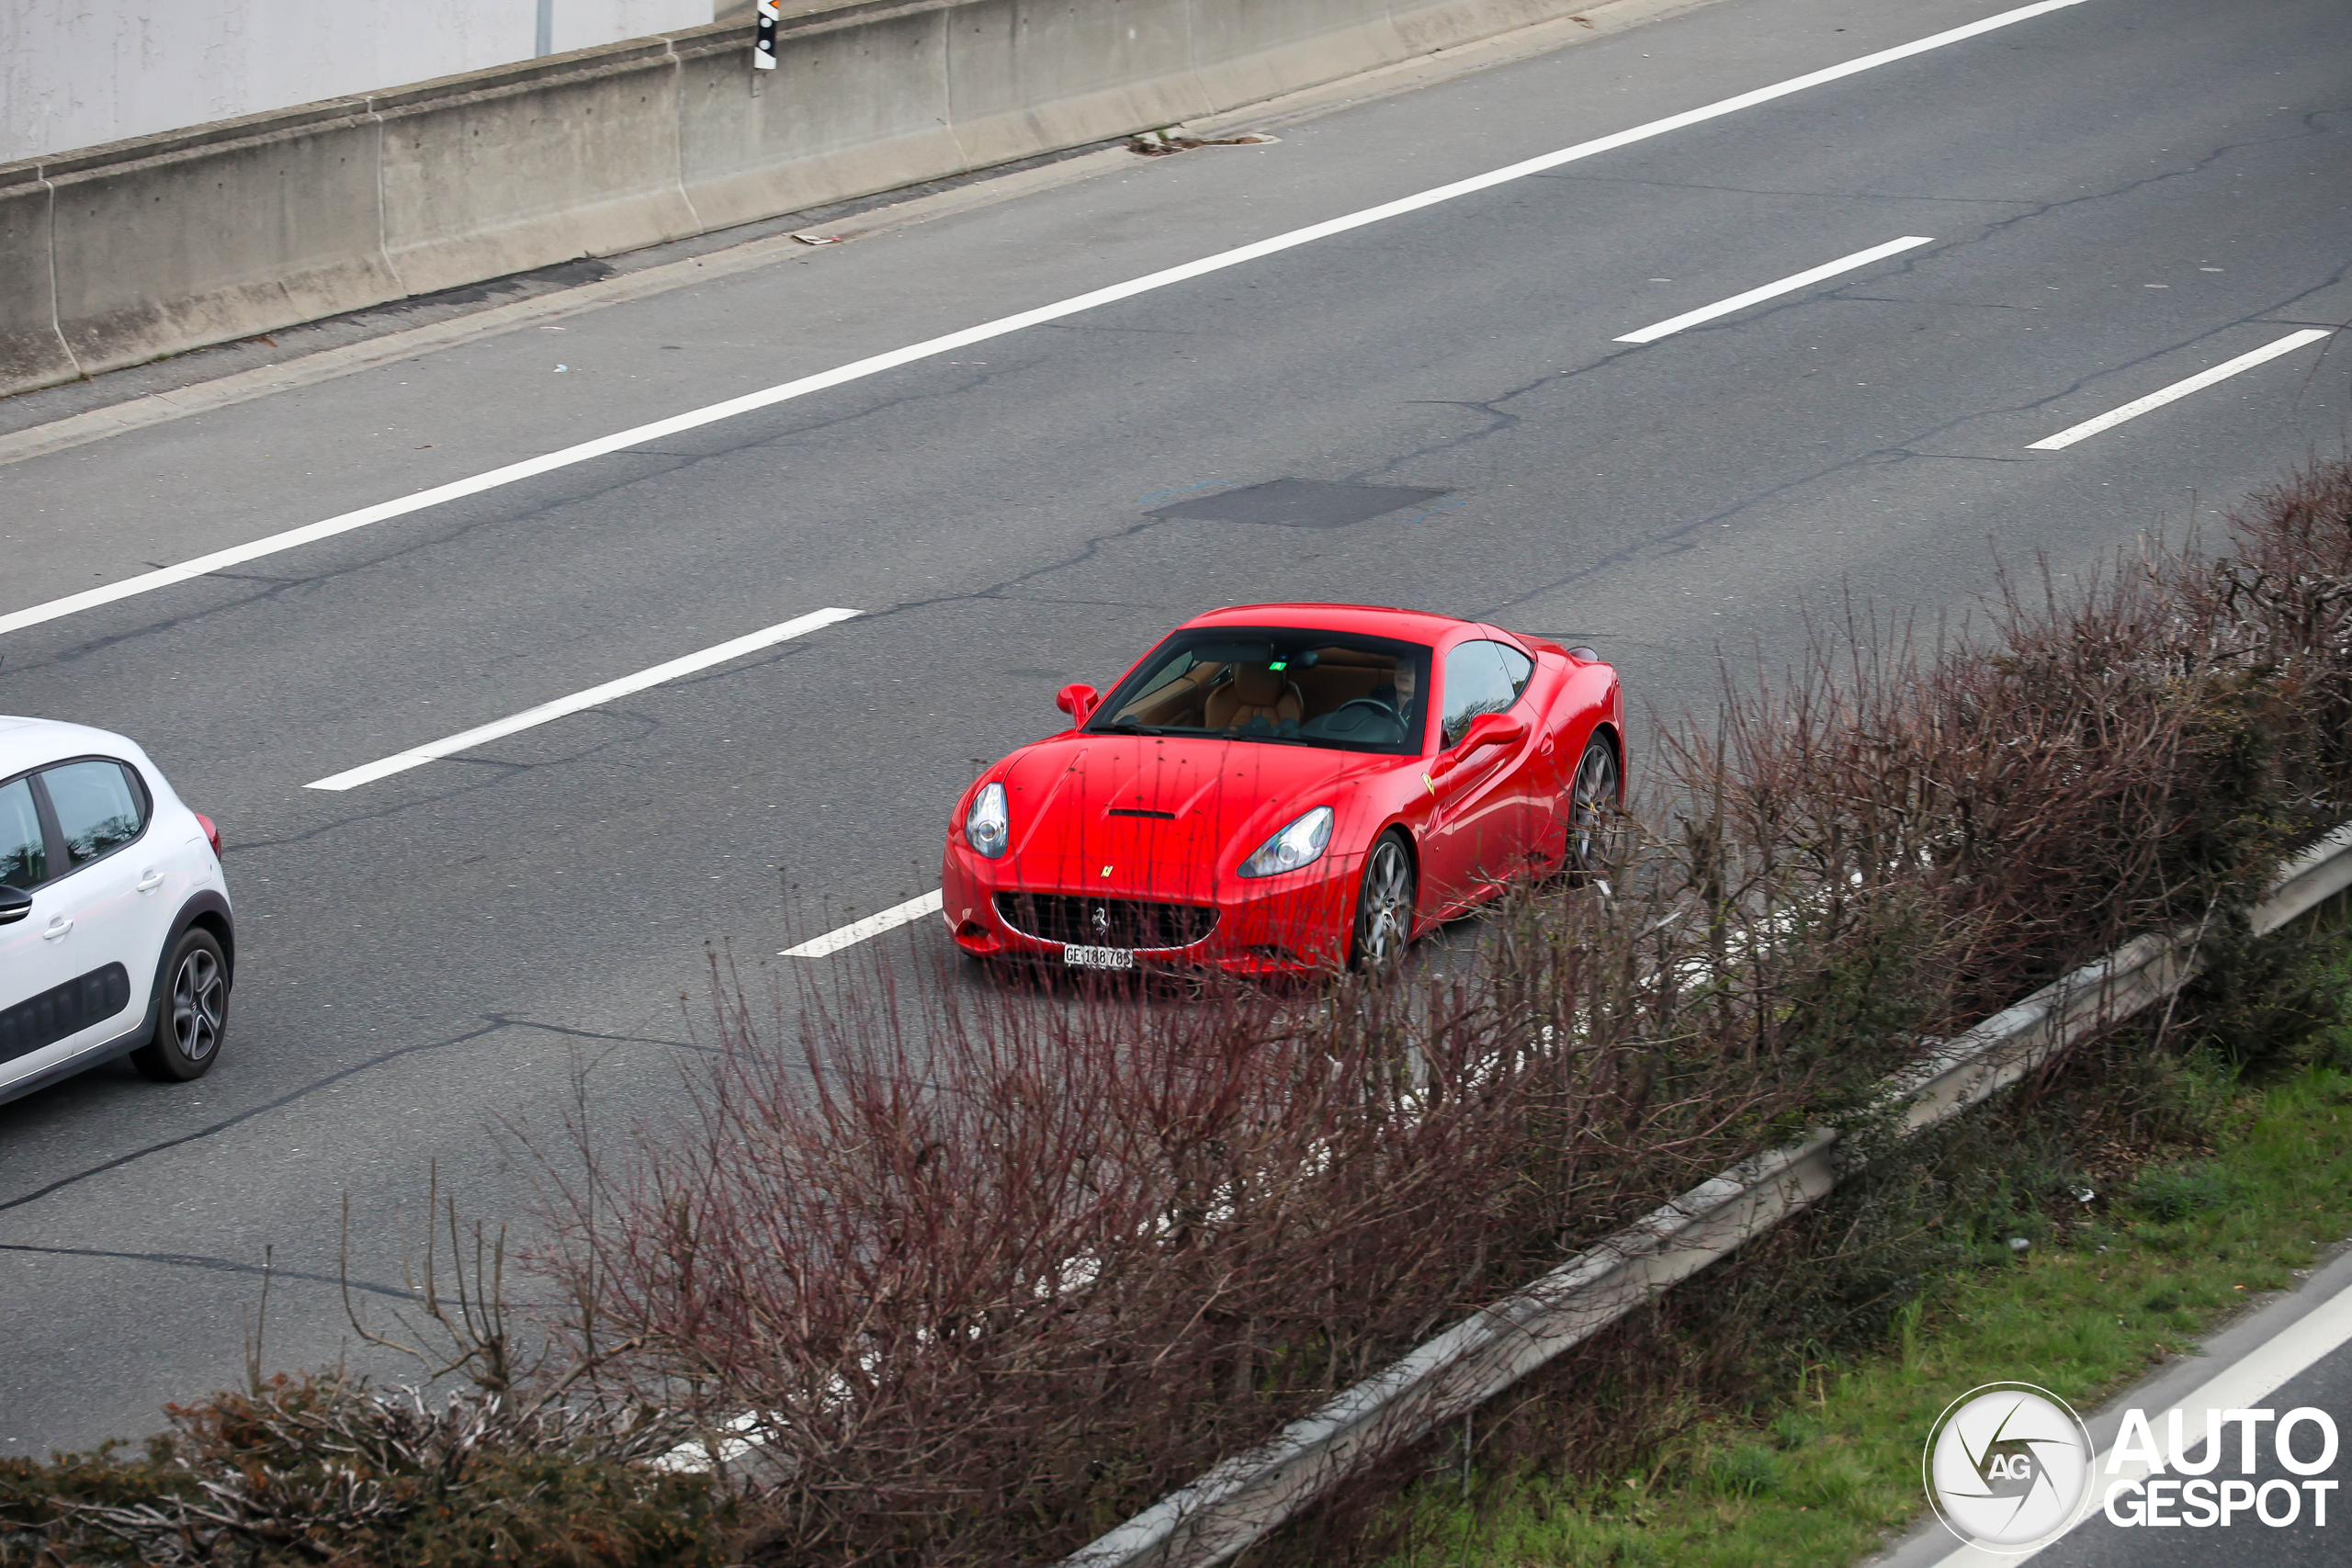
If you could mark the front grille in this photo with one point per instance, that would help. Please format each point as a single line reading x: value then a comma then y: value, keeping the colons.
x: 1104, y: 922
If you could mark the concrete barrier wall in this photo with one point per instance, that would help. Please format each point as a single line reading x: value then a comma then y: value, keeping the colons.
x: 117, y: 254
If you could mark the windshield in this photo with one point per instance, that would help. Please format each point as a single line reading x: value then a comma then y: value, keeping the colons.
x: 1277, y: 685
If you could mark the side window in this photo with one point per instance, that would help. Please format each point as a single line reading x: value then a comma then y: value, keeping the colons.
x: 1182, y: 664
x: 99, y: 808
x: 1516, y: 665
x: 24, y: 852
x: 1476, y: 682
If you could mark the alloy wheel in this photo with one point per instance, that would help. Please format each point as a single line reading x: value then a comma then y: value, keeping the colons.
x: 1592, y: 800
x: 1386, y: 921
x: 197, y: 996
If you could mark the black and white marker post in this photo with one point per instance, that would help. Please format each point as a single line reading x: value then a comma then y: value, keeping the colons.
x: 764, y: 46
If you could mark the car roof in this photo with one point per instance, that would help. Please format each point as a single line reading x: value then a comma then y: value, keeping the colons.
x: 28, y: 742
x: 1368, y: 620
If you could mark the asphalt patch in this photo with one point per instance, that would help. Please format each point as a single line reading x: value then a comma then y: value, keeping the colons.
x: 1299, y: 503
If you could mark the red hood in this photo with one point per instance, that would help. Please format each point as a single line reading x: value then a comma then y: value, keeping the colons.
x: 1224, y: 798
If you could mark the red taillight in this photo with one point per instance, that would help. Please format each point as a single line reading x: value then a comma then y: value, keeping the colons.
x: 210, y: 833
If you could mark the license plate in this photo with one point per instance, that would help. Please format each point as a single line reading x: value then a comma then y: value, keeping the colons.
x: 1099, y: 957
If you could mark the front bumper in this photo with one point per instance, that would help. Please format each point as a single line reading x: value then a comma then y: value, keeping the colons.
x: 1298, y: 923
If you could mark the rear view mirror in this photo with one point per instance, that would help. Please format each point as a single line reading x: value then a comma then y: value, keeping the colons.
x: 14, y: 904
x: 1078, y: 701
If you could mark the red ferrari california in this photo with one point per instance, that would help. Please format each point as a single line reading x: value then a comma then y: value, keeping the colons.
x: 1286, y: 788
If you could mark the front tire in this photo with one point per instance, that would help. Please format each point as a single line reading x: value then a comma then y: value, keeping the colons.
x: 194, y: 1011
x: 1383, y: 923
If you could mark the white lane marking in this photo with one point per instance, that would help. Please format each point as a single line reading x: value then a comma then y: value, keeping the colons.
x: 2178, y: 389
x: 1788, y: 285
x: 529, y: 468
x: 849, y: 935
x: 2242, y: 1385
x: 595, y: 696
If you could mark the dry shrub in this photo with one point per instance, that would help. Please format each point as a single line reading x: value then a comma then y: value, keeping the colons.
x: 2094, y: 772
x: 984, y: 1272
x: 989, y: 1275
x: 2128, y: 758
x: 322, y: 1469
x: 2280, y: 604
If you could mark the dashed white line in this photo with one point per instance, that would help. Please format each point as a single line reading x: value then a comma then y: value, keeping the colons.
x: 1788, y: 285
x: 2177, y: 390
x: 326, y: 529
x: 849, y: 935
x: 595, y: 696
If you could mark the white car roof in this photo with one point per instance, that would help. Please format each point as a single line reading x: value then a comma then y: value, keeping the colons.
x: 29, y: 742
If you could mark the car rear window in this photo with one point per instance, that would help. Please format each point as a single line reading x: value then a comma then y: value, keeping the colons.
x: 99, y: 808
x: 1516, y: 665
x: 23, y: 852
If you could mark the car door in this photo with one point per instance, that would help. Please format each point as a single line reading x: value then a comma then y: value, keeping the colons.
x: 102, y: 916
x: 1476, y: 835
x: 1536, y: 781
x: 34, y: 967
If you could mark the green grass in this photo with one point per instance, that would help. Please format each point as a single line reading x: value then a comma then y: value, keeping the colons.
x: 1825, y: 1476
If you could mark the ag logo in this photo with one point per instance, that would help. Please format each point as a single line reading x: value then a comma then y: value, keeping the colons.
x: 2007, y: 1466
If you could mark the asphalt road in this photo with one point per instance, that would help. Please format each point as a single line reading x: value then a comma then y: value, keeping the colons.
x: 2116, y: 196
x: 2288, y: 1356
x: 2303, y: 1536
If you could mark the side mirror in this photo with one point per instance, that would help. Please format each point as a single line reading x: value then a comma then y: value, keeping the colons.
x: 1492, y: 729
x: 1078, y: 701
x: 1487, y: 730
x: 14, y: 904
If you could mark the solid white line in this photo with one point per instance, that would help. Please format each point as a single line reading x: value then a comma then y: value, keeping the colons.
x: 2178, y: 389
x: 1788, y: 285
x: 2242, y: 1385
x: 531, y: 467
x: 849, y: 935
x: 595, y: 696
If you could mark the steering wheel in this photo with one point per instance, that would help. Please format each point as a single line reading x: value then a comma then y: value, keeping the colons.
x: 1374, y: 704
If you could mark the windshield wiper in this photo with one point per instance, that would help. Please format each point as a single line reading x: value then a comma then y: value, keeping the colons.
x: 1268, y: 738
x: 1126, y: 726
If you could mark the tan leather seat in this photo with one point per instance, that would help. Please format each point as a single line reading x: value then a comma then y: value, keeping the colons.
x: 1255, y: 692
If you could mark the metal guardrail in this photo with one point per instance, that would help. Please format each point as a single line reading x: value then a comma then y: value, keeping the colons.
x: 1246, y: 1496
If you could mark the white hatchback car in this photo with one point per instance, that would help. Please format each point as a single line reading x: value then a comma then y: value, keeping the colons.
x: 115, y: 932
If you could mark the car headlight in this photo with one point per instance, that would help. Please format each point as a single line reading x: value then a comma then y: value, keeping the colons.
x: 986, y: 828
x: 1301, y: 843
